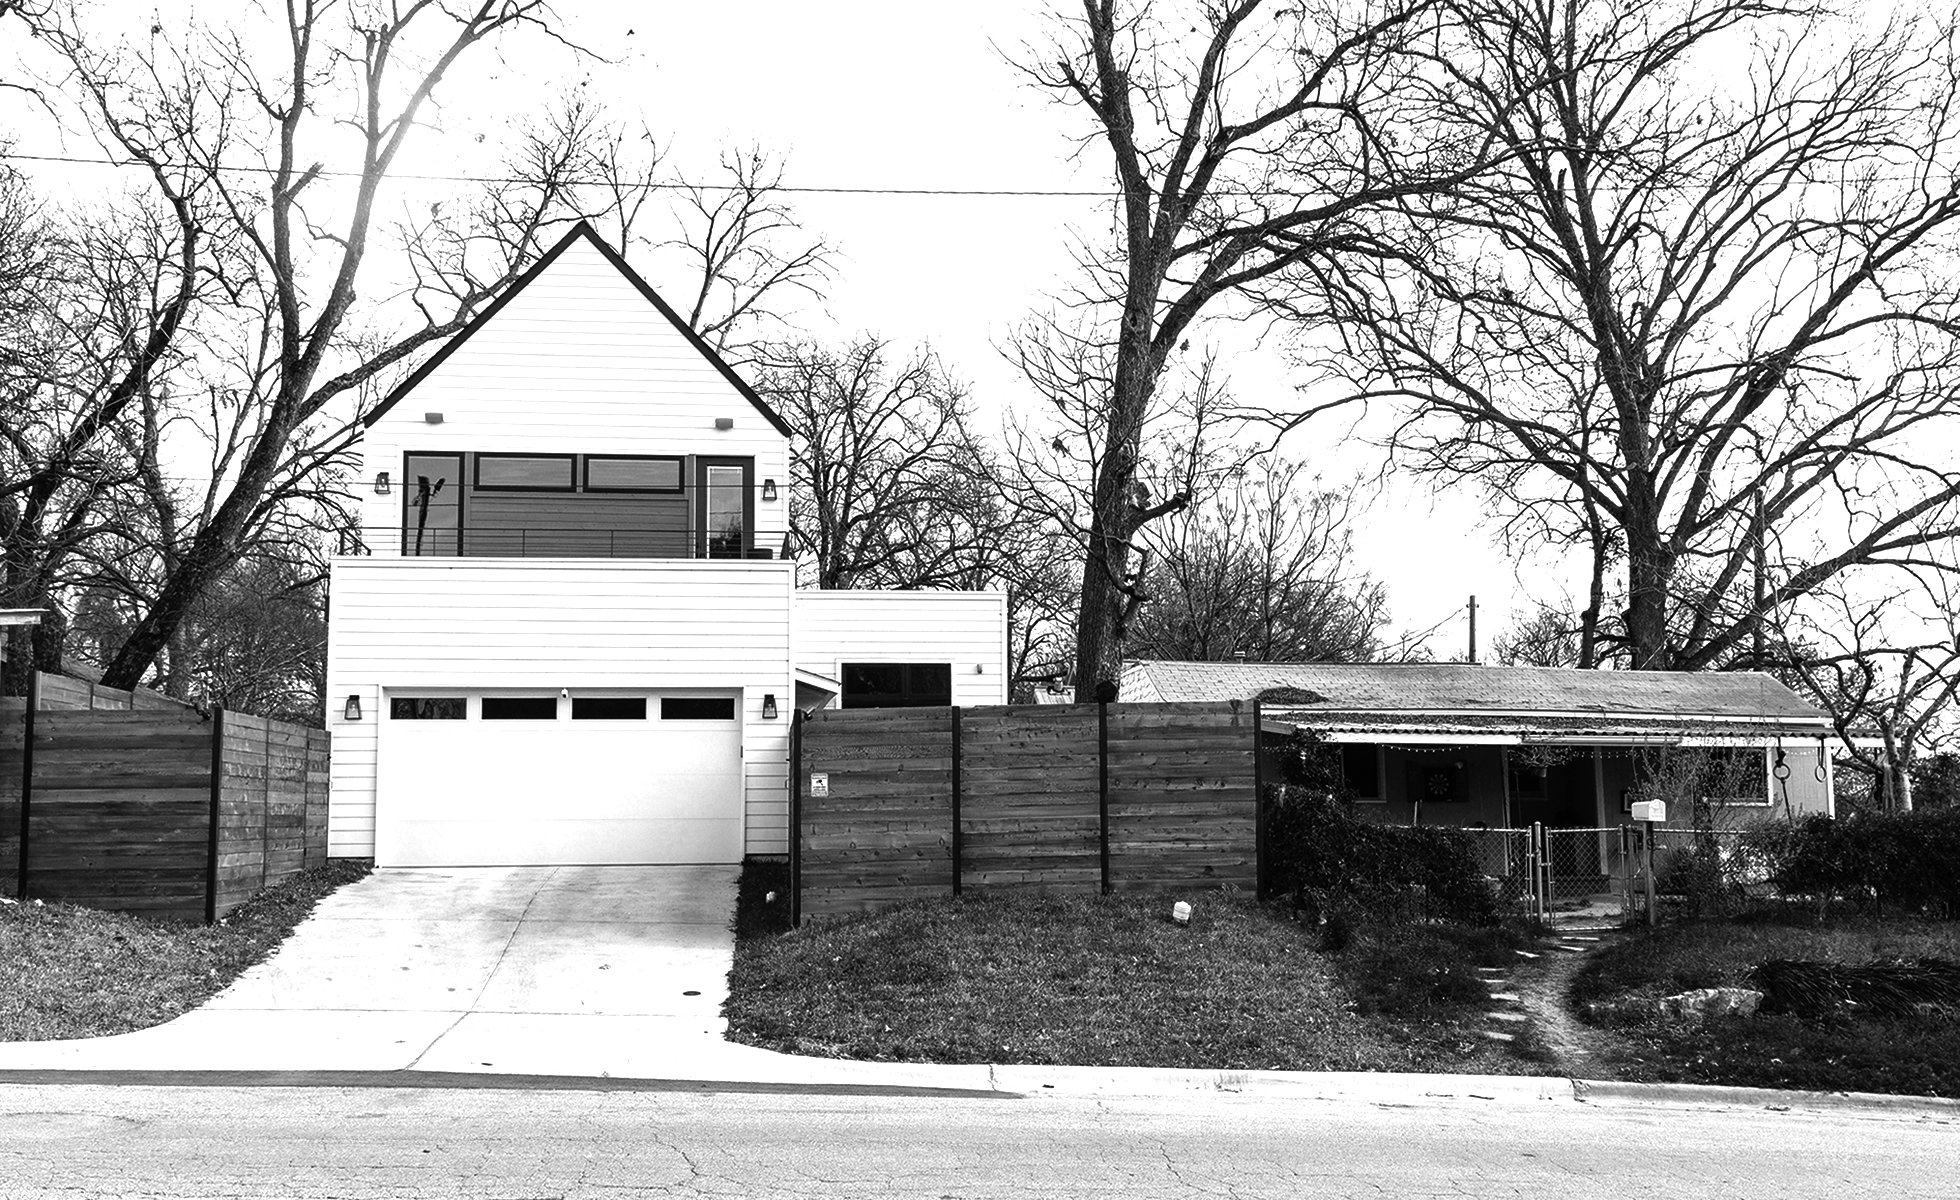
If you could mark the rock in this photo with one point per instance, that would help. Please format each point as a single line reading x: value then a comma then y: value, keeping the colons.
x: 1705, y: 1003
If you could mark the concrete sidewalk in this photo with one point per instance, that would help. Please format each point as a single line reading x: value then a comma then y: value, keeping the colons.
x: 617, y: 975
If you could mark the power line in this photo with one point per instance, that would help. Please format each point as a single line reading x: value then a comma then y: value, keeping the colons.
x: 676, y: 186
x: 787, y: 189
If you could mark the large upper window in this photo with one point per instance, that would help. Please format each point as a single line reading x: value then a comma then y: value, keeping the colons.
x: 725, y: 508
x: 432, y: 503
x: 898, y: 685
x: 525, y: 472
x: 638, y: 473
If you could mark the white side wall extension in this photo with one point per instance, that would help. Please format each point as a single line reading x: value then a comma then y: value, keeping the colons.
x: 429, y: 626
x: 967, y: 630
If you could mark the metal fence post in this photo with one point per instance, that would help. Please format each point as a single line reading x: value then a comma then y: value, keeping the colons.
x: 217, y: 782
x: 26, y: 777
x: 795, y: 817
x: 959, y: 848
x: 1102, y: 786
x: 1259, y: 855
x: 1541, y: 871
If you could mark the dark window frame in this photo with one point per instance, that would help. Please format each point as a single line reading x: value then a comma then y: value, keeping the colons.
x: 908, y: 690
x: 700, y: 506
x: 483, y: 712
x: 597, y: 701
x: 571, y: 473
x: 1376, y: 768
x: 394, y: 713
x: 734, y: 713
x: 680, y: 473
x: 408, y: 500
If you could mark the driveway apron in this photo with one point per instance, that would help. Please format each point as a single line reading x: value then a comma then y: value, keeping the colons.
x: 575, y: 970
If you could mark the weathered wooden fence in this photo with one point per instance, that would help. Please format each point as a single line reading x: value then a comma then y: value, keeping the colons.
x: 897, y: 804
x: 134, y: 801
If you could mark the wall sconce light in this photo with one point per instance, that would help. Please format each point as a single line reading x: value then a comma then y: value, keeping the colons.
x: 724, y: 423
x: 353, y: 710
x: 432, y: 418
x: 979, y: 668
x: 381, y: 484
x: 769, y: 706
x: 769, y: 490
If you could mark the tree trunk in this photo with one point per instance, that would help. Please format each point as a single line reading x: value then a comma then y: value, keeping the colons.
x: 1648, y: 570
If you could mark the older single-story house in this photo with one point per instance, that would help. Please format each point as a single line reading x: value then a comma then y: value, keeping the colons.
x: 1513, y: 748
x: 1506, y: 747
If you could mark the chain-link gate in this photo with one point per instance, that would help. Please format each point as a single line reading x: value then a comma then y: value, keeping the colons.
x: 1538, y: 872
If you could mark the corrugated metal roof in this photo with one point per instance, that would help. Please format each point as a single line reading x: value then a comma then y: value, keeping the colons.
x: 1464, y: 688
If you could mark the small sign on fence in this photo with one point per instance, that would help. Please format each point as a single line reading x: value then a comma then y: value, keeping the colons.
x: 820, y: 783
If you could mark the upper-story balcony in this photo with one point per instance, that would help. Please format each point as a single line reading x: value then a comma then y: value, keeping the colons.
x: 571, y: 506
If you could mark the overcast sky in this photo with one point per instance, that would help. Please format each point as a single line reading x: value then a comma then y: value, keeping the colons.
x: 867, y: 94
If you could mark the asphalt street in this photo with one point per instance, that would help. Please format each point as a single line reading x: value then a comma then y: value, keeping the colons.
x: 138, y: 1141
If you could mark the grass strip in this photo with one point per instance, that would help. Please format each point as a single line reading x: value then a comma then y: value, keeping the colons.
x: 1087, y: 981
x: 72, y: 972
x: 1905, y: 1056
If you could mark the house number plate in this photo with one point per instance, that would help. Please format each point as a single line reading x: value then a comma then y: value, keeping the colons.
x: 819, y: 783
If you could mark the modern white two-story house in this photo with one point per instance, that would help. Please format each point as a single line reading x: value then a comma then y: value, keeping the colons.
x: 570, y: 632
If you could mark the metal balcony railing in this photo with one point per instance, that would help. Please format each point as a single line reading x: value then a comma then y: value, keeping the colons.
x: 473, y: 541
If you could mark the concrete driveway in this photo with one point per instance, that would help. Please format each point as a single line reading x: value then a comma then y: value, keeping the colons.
x: 540, y: 970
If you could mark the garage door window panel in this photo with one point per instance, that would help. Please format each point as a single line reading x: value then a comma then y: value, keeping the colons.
x: 427, y: 708
x: 697, y: 708
x: 520, y: 708
x: 609, y: 708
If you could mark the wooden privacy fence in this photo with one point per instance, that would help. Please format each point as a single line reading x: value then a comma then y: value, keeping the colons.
x: 898, y: 804
x: 134, y: 801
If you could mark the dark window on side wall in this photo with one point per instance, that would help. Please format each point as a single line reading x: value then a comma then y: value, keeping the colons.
x: 427, y: 708
x: 898, y: 685
x: 697, y: 708
x: 520, y: 708
x: 609, y: 708
x: 1361, y: 769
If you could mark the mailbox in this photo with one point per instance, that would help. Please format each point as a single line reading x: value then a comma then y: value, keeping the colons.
x: 1650, y: 810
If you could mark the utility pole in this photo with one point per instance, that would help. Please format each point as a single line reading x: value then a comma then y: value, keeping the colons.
x: 1473, y: 630
x: 1756, y: 641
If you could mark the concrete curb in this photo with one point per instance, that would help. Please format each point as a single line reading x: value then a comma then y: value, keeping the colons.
x: 1592, y: 1091
x: 470, y: 1081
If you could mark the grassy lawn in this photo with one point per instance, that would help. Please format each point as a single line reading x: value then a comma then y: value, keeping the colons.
x: 1920, y: 1056
x: 69, y: 972
x: 1106, y: 981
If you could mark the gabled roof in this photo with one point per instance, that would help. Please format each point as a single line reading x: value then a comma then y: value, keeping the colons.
x: 582, y: 230
x: 1483, y: 693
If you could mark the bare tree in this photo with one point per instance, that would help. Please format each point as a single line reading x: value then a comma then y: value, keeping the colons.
x: 1699, y: 314
x: 248, y: 259
x: 1248, y: 143
x: 889, y: 484
x: 1262, y: 568
x: 746, y: 249
x: 1547, y: 638
x: 1886, y: 668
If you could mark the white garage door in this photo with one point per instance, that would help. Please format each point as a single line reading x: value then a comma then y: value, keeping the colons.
x: 475, y: 779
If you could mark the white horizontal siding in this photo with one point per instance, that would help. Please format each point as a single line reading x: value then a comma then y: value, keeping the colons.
x: 967, y: 629
x: 577, y: 363
x: 494, y: 623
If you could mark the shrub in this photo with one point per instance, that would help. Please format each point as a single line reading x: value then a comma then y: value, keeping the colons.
x: 1908, y: 861
x: 1344, y: 869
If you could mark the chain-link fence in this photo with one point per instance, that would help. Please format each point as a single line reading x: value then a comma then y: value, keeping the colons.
x: 1539, y: 872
